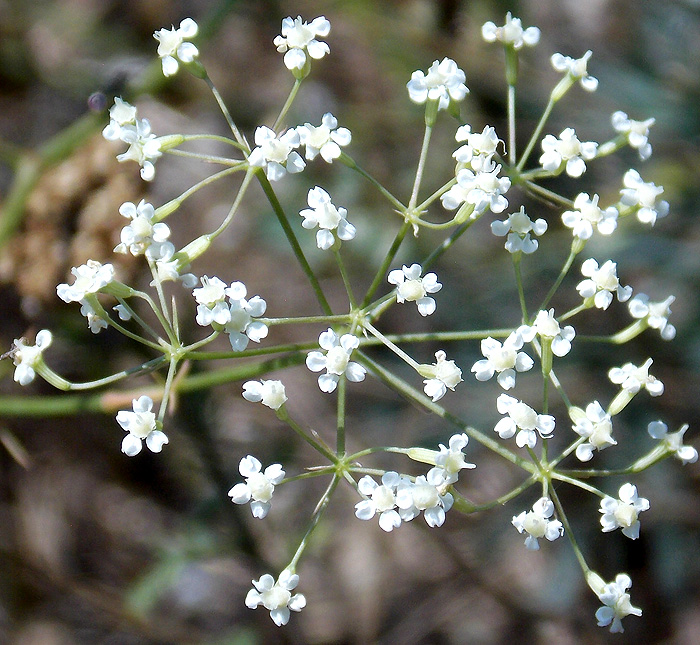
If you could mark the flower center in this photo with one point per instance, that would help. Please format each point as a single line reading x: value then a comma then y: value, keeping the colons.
x: 337, y: 360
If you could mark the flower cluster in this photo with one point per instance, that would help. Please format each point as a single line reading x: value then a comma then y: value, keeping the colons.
x: 276, y: 596
x: 441, y: 375
x: 298, y: 41
x: 587, y: 216
x: 28, y: 357
x: 636, y: 132
x: 511, y: 34
x: 144, y: 234
x: 144, y: 147
x: 174, y: 48
x: 643, y: 198
x: 141, y: 424
x: 517, y: 227
x: 336, y: 361
x: 536, y: 523
x: 576, y: 69
x: 410, y: 287
x: 443, y: 83
x: 623, y: 512
x: 595, y: 426
x: 259, y: 485
x: 481, y: 190
x: 547, y: 328
x: 566, y: 152
x: 330, y: 219
x: 235, y: 317
x: 601, y: 284
x: 523, y: 420
x: 270, y: 393
x: 504, y: 358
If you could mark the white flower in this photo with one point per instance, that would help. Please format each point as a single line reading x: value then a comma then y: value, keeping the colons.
x: 479, y: 147
x: 172, y: 46
x: 502, y: 358
x: 424, y: 495
x: 380, y: 499
x: 412, y: 288
x: 276, y: 153
x: 325, y: 139
x: 259, y: 486
x: 95, y: 321
x: 567, y: 152
x: 269, y: 393
x: 483, y: 189
x: 450, y: 460
x: 444, y: 83
x: 168, y: 266
x: 577, y: 69
x: 588, y: 216
x: 523, y: 420
x: 546, y: 326
x: 518, y: 227
x: 511, y: 34
x: 144, y: 147
x: 211, y: 302
x: 673, y: 441
x: 120, y: 114
x: 632, y: 378
x: 143, y: 232
x: 616, y: 603
x: 441, y: 375
x: 623, y: 512
x: 298, y: 39
x: 141, y: 424
x: 89, y: 279
x: 241, y: 326
x: 655, y: 313
x: 330, y: 219
x: 536, y: 523
x: 643, y: 197
x: 595, y: 425
x: 636, y: 132
x: 336, y: 361
x: 602, y: 283
x: 276, y: 596
x: 27, y: 357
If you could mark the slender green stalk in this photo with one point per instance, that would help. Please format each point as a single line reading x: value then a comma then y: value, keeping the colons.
x: 287, y: 104
x: 536, y: 134
x: 386, y: 263
x: 397, y: 350
x: 511, y: 125
x: 516, y: 257
x: 340, y: 417
x: 294, y: 243
x: 227, y: 115
x: 318, y: 512
x: 421, y: 167
x: 350, y: 163
x: 320, y: 447
x: 346, y: 279
x: 562, y: 274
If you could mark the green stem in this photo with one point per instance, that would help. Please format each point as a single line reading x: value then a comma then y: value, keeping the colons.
x: 287, y: 104
x: 318, y: 512
x: 350, y: 163
x: 536, y: 134
x: 227, y: 115
x: 292, y: 239
x: 386, y: 263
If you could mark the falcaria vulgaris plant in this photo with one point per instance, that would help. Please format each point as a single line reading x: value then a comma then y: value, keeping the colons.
x: 550, y: 451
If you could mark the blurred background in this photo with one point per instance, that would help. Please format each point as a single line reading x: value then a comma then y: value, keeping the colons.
x: 96, y: 547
